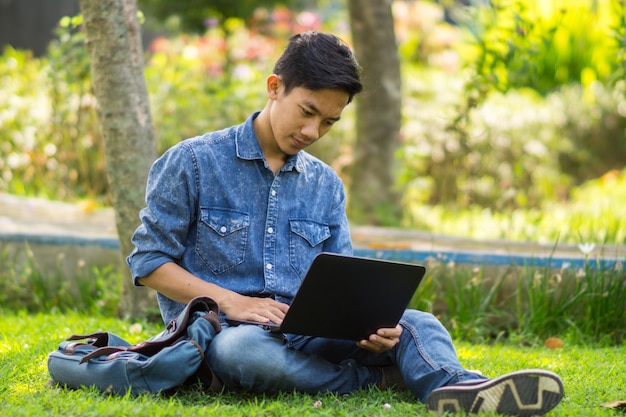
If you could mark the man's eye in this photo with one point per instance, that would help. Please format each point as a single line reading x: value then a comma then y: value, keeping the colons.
x: 306, y: 112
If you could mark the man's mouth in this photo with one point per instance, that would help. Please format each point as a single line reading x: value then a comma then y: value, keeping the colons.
x: 299, y: 143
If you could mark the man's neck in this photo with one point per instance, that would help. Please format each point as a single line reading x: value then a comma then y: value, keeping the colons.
x: 274, y: 157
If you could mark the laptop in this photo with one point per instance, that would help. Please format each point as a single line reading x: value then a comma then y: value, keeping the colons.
x: 349, y: 297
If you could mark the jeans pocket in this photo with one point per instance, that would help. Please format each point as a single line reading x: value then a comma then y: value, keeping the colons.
x: 222, y: 238
x: 305, y: 242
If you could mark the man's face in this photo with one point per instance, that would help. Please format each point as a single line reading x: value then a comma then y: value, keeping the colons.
x: 301, y: 117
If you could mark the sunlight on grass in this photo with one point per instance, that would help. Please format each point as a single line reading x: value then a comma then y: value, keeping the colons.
x: 510, y: 358
x: 592, y: 376
x: 595, y: 214
x: 8, y: 344
x: 20, y: 389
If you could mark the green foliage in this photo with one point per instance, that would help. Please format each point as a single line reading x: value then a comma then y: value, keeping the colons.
x: 53, y: 146
x: 191, y: 92
x: 475, y: 303
x: 24, y: 108
x: 538, y: 110
x: 423, y: 36
x: 594, y: 214
x: 464, y: 146
x: 572, y: 301
x: 73, y: 124
x: 592, y: 376
x: 198, y: 15
x: 513, y: 150
x: 586, y: 303
x: 27, y: 286
x: 197, y: 83
x: 526, y: 304
x: 465, y: 299
x: 543, y: 45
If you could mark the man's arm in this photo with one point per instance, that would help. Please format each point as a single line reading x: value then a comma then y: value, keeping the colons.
x: 179, y: 285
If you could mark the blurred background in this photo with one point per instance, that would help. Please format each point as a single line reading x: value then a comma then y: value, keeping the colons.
x: 513, y: 113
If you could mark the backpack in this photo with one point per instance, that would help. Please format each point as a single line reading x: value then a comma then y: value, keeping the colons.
x: 165, y: 361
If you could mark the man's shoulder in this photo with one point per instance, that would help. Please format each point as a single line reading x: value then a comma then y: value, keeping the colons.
x: 206, y: 144
x: 311, y: 162
x: 214, y: 137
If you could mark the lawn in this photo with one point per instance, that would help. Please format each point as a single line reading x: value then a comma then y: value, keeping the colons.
x: 592, y: 377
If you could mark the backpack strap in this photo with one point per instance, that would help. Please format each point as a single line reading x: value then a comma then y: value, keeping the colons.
x: 98, y: 339
x: 106, y: 350
x: 175, y: 330
x: 178, y: 327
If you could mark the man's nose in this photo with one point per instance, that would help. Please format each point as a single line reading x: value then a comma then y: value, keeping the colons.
x: 311, y: 131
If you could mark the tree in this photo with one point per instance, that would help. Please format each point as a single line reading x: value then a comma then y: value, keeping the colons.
x: 378, y: 113
x: 113, y: 38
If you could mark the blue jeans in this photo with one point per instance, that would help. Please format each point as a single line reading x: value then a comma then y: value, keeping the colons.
x: 254, y: 359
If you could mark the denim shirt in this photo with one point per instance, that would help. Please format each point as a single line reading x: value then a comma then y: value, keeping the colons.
x: 215, y: 208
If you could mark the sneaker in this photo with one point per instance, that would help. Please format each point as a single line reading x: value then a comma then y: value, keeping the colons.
x: 392, y: 378
x: 525, y: 393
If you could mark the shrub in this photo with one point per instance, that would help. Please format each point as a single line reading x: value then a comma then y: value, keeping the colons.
x: 196, y: 83
x: 536, y: 112
x: 25, y: 285
x: 24, y: 111
x: 464, y: 149
x: 543, y: 45
x: 594, y: 215
x: 54, y: 147
x: 192, y: 93
x: 517, y: 149
x: 526, y: 303
x: 475, y: 303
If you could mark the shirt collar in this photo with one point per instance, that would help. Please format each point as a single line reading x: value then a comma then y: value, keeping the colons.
x: 248, y: 146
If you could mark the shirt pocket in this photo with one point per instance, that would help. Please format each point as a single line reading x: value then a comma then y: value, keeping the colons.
x: 222, y: 238
x: 305, y: 242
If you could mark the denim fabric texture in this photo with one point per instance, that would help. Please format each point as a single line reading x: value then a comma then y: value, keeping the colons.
x: 215, y: 208
x: 254, y: 359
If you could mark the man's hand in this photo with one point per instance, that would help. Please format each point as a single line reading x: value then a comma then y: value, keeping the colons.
x: 178, y: 284
x: 383, y: 340
x: 241, y: 307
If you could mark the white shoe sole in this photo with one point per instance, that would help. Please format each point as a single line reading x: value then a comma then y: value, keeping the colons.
x: 525, y: 393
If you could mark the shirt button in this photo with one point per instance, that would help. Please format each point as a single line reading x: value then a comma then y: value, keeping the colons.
x: 273, y: 192
x: 223, y: 229
x: 268, y: 266
x: 270, y: 230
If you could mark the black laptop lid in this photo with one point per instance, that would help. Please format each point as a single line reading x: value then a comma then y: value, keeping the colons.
x: 348, y: 297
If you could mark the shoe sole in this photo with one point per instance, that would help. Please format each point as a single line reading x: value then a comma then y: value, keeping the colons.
x: 523, y: 393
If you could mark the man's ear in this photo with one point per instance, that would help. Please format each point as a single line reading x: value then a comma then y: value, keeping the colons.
x: 273, y: 85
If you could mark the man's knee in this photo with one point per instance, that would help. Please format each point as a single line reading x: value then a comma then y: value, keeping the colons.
x: 416, y: 316
x: 421, y: 322
x: 236, y: 345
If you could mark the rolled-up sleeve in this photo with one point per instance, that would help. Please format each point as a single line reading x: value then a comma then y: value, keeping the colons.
x: 170, y: 210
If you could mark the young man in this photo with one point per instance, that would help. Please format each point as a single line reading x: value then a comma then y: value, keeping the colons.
x: 239, y: 214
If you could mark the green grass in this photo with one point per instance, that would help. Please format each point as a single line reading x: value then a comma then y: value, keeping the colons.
x: 592, y: 377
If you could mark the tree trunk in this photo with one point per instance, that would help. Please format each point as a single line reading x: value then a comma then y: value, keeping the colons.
x: 378, y: 112
x: 113, y: 37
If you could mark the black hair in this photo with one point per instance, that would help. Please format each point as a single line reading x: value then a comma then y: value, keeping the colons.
x: 316, y: 61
